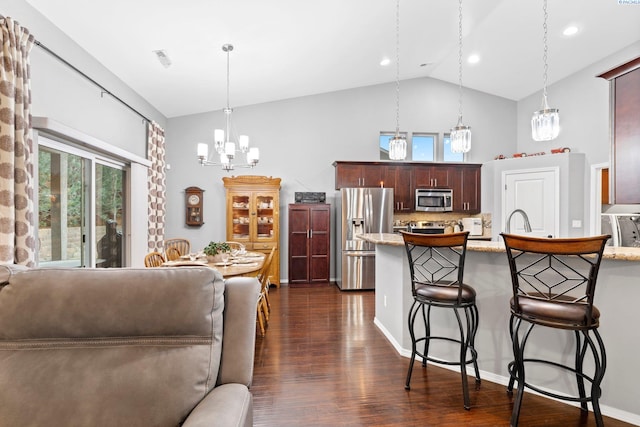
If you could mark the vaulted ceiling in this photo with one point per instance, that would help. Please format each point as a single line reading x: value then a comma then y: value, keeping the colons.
x: 290, y: 48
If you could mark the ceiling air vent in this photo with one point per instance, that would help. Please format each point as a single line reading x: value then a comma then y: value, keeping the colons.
x: 163, y: 58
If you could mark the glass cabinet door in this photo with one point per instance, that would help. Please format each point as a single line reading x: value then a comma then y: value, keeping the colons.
x: 241, y: 216
x: 264, y: 216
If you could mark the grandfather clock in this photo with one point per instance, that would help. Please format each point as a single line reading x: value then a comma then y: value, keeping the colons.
x: 193, y: 201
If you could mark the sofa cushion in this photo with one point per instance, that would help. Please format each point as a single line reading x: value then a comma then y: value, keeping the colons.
x: 108, y: 346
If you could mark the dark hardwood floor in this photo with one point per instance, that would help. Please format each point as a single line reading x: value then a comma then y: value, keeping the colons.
x: 324, y: 363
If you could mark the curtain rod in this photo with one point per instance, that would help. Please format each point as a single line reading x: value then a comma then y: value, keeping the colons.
x: 102, y: 88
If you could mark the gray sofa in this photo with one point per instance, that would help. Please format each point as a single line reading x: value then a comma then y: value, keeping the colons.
x: 126, y: 347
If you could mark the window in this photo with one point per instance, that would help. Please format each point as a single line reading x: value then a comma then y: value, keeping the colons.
x: 423, y: 146
x: 384, y: 145
x: 109, y: 206
x: 61, y: 208
x: 447, y: 155
x: 80, y: 207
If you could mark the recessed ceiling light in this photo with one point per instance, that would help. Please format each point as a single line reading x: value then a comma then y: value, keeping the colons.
x: 570, y: 30
x: 473, y: 59
x: 385, y: 62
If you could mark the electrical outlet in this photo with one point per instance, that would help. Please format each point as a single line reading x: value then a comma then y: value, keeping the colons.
x: 576, y: 223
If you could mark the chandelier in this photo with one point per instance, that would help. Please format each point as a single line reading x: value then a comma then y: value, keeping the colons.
x: 225, y: 147
x: 545, y: 123
x: 398, y: 144
x: 460, y: 134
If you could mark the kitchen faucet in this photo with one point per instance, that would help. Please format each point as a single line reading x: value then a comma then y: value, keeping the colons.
x: 527, y: 225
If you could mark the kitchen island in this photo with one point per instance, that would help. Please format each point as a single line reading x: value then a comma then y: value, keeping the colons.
x: 486, y: 269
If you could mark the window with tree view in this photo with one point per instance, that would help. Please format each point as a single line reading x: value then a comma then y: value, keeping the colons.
x: 61, y: 208
x: 65, y: 205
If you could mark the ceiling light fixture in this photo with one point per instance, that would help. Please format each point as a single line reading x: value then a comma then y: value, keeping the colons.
x: 460, y: 134
x: 225, y: 147
x: 570, y: 31
x: 398, y: 144
x: 473, y: 59
x: 545, y: 123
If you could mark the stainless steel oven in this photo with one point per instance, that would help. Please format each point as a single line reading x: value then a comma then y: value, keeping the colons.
x: 434, y: 200
x: 425, y: 227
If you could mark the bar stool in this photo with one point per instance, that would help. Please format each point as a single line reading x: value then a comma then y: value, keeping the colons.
x: 554, y: 283
x: 436, y: 263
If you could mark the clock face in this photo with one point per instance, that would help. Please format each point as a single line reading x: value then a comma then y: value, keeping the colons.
x: 193, y: 199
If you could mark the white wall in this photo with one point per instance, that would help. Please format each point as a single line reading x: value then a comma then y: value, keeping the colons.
x: 60, y: 93
x: 300, y: 138
x: 583, y: 101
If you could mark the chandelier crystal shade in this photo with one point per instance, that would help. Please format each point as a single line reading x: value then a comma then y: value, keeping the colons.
x: 225, y: 149
x: 398, y: 144
x: 545, y: 123
x: 460, y: 137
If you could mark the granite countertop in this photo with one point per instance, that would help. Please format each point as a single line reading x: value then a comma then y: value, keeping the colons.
x: 618, y: 253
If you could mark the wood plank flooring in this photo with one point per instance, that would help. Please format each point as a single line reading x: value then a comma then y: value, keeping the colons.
x: 324, y: 363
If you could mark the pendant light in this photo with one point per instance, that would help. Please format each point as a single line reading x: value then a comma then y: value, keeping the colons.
x: 398, y: 144
x: 460, y: 134
x: 224, y: 144
x: 545, y: 123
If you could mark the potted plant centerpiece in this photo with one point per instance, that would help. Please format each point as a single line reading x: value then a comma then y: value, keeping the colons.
x: 215, y: 250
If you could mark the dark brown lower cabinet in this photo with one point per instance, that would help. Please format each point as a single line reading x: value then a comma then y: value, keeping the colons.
x: 309, y: 242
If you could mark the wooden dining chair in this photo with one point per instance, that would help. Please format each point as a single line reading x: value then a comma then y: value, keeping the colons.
x: 263, y: 306
x: 183, y: 245
x: 172, y: 253
x: 153, y: 259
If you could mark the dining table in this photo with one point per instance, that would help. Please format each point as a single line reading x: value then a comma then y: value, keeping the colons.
x: 247, y: 264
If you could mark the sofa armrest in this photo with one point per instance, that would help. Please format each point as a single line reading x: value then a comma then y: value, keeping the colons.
x: 238, y: 341
x: 226, y: 405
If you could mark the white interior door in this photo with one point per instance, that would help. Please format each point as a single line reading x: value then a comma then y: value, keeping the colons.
x: 535, y: 191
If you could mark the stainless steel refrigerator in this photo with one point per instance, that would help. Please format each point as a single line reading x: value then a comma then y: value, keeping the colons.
x: 360, y: 211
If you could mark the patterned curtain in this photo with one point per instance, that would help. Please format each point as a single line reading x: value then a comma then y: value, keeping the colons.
x: 156, y: 184
x: 17, y: 239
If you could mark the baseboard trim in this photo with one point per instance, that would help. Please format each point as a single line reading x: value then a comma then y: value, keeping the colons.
x: 609, y: 411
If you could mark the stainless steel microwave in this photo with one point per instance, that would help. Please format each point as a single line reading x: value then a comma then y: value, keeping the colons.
x: 434, y: 200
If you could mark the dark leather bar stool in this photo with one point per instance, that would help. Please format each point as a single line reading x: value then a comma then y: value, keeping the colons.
x: 554, y: 282
x: 436, y: 262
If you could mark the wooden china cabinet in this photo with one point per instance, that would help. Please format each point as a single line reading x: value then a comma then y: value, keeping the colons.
x: 253, y: 216
x: 309, y: 242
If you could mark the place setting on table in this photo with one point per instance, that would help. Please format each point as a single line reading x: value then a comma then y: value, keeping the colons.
x: 239, y: 264
x: 229, y: 260
x: 191, y: 259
